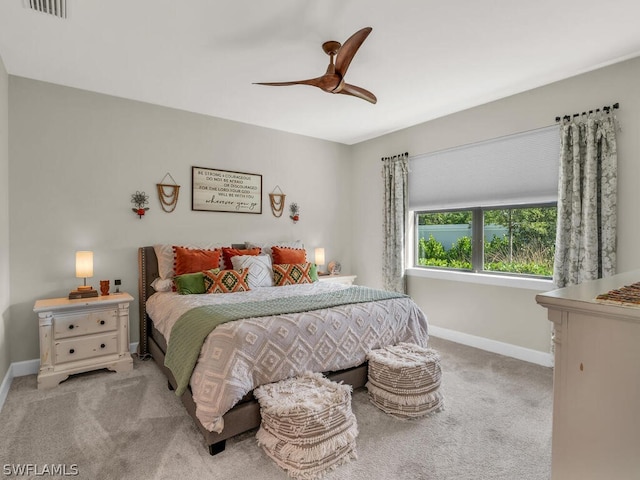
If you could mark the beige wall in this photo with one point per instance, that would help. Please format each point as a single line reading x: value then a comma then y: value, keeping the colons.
x: 76, y: 157
x: 503, y: 314
x: 4, y: 221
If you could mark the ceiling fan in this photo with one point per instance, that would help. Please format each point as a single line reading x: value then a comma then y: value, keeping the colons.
x: 333, y: 80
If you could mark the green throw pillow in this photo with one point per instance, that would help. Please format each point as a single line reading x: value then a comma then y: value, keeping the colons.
x: 190, y: 283
x: 313, y: 272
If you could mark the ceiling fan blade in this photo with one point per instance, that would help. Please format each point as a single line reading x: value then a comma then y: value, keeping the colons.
x: 312, y: 81
x: 327, y: 82
x: 349, y: 49
x: 354, y: 91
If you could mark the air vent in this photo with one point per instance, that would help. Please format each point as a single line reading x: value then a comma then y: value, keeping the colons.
x: 57, y: 8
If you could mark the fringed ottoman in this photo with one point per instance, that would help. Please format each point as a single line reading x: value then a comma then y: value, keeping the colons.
x: 404, y: 380
x: 307, y: 424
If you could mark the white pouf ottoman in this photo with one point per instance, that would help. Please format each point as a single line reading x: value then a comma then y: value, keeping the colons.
x: 307, y: 424
x: 404, y: 380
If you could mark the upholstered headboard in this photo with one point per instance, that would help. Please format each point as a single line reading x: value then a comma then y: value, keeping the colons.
x: 147, y: 273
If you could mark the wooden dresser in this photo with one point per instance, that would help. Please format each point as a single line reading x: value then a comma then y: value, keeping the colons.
x: 596, y: 406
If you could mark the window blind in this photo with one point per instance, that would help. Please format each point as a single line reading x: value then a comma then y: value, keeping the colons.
x: 511, y: 170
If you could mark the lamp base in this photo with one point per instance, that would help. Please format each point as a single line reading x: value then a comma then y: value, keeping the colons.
x: 83, y: 293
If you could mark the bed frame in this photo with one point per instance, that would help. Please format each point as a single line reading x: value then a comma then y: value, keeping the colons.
x: 246, y: 414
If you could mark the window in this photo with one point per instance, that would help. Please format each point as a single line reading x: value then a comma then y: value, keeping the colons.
x: 444, y: 239
x: 488, y: 206
x: 513, y: 240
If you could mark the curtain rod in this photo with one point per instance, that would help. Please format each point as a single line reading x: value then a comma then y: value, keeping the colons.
x: 405, y: 154
x: 606, y: 109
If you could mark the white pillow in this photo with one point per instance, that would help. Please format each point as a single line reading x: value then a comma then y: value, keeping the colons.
x: 162, y: 285
x: 260, y: 270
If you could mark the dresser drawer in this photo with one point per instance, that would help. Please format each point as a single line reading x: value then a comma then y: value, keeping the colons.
x: 84, y: 323
x: 72, y: 349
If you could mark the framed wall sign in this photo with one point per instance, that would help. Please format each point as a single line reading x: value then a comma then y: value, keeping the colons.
x: 225, y: 191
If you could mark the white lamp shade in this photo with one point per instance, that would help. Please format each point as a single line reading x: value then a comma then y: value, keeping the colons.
x: 319, y: 254
x: 84, y: 264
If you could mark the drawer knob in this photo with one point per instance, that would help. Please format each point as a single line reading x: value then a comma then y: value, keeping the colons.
x: 102, y: 322
x: 102, y: 345
x: 71, y: 327
x: 72, y: 351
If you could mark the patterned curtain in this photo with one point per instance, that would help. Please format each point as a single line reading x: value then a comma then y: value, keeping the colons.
x: 587, y: 198
x: 394, y: 173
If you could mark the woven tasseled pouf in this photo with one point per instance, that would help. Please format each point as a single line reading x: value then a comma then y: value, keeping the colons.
x: 307, y: 424
x: 404, y: 380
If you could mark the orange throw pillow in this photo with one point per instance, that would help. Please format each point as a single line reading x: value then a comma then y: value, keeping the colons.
x: 187, y: 260
x: 228, y: 252
x: 289, y: 255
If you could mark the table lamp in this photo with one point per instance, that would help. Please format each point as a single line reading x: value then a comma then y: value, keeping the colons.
x: 319, y: 260
x: 84, y: 269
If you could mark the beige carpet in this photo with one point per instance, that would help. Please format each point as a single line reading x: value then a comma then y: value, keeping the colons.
x: 496, y: 425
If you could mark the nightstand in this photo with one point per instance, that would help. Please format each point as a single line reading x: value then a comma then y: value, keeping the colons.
x: 82, y: 335
x: 346, y: 279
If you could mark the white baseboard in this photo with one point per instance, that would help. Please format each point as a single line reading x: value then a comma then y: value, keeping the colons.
x: 29, y: 367
x: 16, y: 369
x: 4, y: 387
x: 514, y: 351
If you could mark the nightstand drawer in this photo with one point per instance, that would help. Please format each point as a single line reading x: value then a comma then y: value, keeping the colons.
x: 75, y: 324
x: 73, y: 349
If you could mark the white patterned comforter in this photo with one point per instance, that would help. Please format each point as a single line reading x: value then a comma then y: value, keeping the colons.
x: 239, y: 356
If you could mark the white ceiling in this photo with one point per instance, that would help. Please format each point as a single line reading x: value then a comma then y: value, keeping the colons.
x: 424, y: 58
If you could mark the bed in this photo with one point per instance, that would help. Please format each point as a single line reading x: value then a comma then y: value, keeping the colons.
x: 239, y: 355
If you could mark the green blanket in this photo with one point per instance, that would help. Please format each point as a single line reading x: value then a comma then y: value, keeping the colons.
x: 192, y: 328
